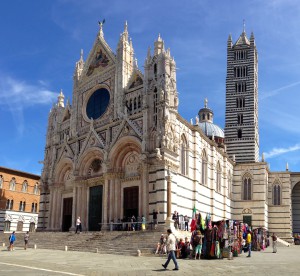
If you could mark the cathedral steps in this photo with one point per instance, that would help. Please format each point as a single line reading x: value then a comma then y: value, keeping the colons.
x: 110, y: 242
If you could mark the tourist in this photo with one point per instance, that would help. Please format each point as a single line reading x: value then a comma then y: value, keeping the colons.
x: 198, y: 244
x: 78, y: 225
x: 171, y: 247
x: 274, y: 239
x: 187, y: 249
x: 143, y: 223
x: 186, y: 223
x: 12, y: 239
x: 26, y: 239
x: 161, y: 245
x: 154, y: 214
x: 248, y: 242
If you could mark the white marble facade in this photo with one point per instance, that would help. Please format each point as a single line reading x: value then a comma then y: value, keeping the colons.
x: 108, y: 154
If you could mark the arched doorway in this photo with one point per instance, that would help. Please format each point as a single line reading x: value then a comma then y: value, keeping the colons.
x: 296, y: 208
x: 131, y: 202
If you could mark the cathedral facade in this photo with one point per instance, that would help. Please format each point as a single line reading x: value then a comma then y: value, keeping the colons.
x: 121, y: 148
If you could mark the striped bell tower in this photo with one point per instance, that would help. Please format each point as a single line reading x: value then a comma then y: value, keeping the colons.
x: 241, y: 118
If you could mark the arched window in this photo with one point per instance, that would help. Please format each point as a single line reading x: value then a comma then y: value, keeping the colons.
x: 22, y: 206
x: 12, y: 184
x: 9, y: 204
x: 276, y: 194
x: 36, y: 189
x: 184, y: 156
x: 247, y: 188
x: 204, y: 168
x: 24, y: 186
x: 218, y: 177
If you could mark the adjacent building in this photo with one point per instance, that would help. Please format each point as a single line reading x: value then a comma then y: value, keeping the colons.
x: 19, y: 200
x: 121, y: 148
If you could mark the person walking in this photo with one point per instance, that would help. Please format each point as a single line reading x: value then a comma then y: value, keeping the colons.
x: 12, y: 239
x: 78, y: 225
x: 274, y: 239
x: 186, y: 223
x: 171, y: 247
x: 26, y: 239
x: 248, y: 241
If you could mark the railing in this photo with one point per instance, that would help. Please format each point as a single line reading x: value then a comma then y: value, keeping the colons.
x: 126, y: 226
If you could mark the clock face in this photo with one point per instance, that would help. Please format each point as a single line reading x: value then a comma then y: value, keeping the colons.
x: 97, y: 103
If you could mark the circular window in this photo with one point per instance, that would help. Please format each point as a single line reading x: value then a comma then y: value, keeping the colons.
x: 97, y: 103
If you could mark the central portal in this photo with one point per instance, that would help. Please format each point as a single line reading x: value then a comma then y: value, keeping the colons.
x: 131, y: 202
x: 95, y: 208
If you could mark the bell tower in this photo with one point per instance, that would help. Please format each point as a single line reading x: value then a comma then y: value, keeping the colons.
x: 241, y: 118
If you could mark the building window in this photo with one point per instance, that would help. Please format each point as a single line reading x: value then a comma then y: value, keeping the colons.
x: 239, y: 134
x: 240, y: 118
x: 12, y: 184
x: 240, y: 102
x: 218, y: 177
x: 240, y: 87
x: 1, y: 181
x: 32, y: 227
x: 6, y: 226
x: 204, y: 168
x: 36, y: 189
x: 184, y: 156
x: 155, y: 106
x: 9, y: 204
x: 22, y: 206
x: 24, y: 186
x: 240, y: 55
x: 34, y: 207
x: 276, y: 194
x: 240, y: 71
x: 247, y: 188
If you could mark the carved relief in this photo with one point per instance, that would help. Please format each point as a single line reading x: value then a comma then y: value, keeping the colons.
x: 131, y: 166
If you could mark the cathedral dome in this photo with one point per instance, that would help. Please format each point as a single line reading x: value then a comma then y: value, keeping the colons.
x: 206, y: 124
x: 211, y: 130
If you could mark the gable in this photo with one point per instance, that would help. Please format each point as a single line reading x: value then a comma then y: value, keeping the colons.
x: 135, y: 81
x: 100, y: 58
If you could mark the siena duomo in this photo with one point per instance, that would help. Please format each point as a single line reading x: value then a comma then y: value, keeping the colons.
x: 121, y: 148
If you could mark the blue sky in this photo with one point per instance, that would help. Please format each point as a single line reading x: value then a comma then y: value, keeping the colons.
x: 41, y: 42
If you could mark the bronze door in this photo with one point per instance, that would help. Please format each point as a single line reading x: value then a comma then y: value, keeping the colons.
x: 95, y: 208
x: 67, y: 214
x: 131, y: 202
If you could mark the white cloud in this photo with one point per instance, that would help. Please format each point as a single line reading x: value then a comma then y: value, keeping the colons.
x: 279, y: 151
x: 18, y: 92
x: 16, y: 96
x: 278, y: 90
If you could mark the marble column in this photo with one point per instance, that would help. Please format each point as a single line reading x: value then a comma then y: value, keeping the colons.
x: 74, y: 207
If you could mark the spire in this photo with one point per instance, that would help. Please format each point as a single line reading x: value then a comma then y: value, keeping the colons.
x: 158, y: 45
x: 125, y: 33
x: 60, y: 99
x: 244, y: 26
x: 287, y: 167
x: 205, y: 102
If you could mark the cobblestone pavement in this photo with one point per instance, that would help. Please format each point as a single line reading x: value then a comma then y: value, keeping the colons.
x: 51, y: 262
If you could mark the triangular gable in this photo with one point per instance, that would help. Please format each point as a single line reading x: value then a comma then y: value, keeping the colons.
x: 127, y: 127
x: 135, y: 80
x: 92, y: 140
x: 100, y: 57
x: 65, y: 151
